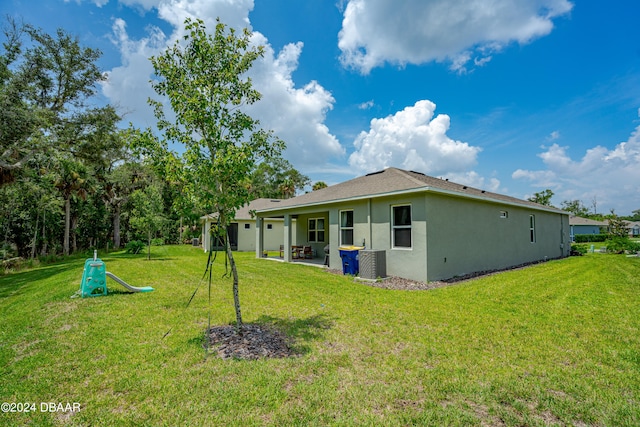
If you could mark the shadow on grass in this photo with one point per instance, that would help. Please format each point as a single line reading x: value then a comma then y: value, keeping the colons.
x: 267, y: 337
x: 300, y: 331
x: 11, y: 283
x: 309, y: 329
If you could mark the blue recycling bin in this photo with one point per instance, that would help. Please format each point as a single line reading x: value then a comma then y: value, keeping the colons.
x: 350, y: 260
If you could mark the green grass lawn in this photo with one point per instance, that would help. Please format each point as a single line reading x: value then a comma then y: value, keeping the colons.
x: 553, y: 344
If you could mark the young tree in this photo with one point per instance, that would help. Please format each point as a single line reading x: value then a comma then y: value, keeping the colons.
x: 147, y: 214
x: 618, y: 240
x: 204, y: 78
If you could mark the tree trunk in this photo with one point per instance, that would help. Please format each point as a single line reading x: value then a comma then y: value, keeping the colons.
x: 234, y: 272
x: 116, y: 226
x: 149, y: 245
x: 35, y: 236
x: 74, y: 235
x: 44, y: 234
x: 67, y: 225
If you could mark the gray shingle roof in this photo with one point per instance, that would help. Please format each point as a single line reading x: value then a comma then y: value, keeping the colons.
x: 393, y: 181
x: 244, y: 213
x: 577, y: 220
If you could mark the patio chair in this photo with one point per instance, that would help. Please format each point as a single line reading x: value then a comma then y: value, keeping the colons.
x: 307, y: 252
x: 281, y: 251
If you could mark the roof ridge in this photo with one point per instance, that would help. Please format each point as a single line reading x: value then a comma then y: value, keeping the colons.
x: 407, y: 174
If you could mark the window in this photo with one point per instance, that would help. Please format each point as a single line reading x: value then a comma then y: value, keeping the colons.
x: 269, y: 226
x: 532, y: 228
x: 346, y: 228
x: 247, y: 226
x: 401, y: 226
x: 504, y: 214
x: 316, y: 230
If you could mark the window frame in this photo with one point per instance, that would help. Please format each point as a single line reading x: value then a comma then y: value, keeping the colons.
x: 532, y: 228
x: 342, y: 228
x: 395, y: 227
x: 316, y: 230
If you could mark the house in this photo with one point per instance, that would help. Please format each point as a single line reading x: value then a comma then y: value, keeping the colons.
x: 581, y: 225
x: 634, y: 228
x: 242, y: 232
x: 428, y: 228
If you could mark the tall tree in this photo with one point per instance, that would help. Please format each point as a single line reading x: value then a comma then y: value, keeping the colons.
x: 576, y: 207
x: 43, y: 90
x: 276, y: 178
x: 121, y: 183
x: 542, y: 197
x: 204, y: 77
x: 319, y: 185
x: 72, y: 180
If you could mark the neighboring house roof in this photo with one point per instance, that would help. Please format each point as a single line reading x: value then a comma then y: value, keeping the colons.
x: 577, y: 220
x: 244, y: 213
x: 392, y: 181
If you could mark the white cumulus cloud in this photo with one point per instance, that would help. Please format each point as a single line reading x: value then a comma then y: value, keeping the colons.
x: 457, y: 31
x: 610, y: 175
x: 296, y: 113
x: 127, y: 86
x: 413, y: 139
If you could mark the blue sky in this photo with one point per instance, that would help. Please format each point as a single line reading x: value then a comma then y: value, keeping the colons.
x: 513, y: 97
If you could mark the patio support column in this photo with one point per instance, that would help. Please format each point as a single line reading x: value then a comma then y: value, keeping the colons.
x: 206, y: 234
x: 287, y: 238
x: 259, y: 236
x: 369, y: 241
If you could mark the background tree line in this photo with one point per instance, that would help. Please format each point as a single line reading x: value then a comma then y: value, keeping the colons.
x: 70, y: 178
x: 578, y: 208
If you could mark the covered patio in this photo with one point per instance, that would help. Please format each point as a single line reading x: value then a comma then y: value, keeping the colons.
x: 315, y: 262
x: 305, y: 236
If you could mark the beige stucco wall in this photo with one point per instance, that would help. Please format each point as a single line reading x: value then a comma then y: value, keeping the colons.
x: 247, y: 237
x: 466, y: 236
x: 372, y: 226
x: 402, y: 262
x: 450, y: 235
x: 272, y: 238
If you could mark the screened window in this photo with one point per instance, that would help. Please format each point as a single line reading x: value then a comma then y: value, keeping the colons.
x: 532, y: 228
x: 401, y: 226
x: 346, y: 227
x: 316, y: 230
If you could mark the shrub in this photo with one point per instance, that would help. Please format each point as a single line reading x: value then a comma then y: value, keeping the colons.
x: 157, y: 242
x: 633, y: 247
x: 134, y: 247
x: 621, y: 245
x: 578, y: 250
x: 586, y: 238
x: 8, y: 251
